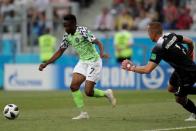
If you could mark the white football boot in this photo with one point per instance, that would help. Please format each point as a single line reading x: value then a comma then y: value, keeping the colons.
x: 83, y: 115
x: 109, y: 94
x: 192, y: 117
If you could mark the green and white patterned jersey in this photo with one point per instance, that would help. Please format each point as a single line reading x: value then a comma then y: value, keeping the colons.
x: 82, y: 41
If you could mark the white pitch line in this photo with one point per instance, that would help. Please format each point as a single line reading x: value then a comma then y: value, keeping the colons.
x: 170, y: 129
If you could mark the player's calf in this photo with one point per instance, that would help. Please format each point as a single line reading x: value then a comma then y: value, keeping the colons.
x: 186, y: 104
x: 89, y: 88
x: 75, y: 86
x: 73, y: 89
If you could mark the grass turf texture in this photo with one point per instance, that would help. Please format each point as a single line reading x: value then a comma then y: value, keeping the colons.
x: 135, y: 111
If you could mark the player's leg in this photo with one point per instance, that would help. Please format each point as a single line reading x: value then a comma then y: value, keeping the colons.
x: 191, y: 90
x: 181, y: 98
x: 91, y: 91
x: 171, y: 88
x: 93, y: 74
x: 175, y: 86
x: 79, y: 76
x: 77, y: 80
x: 173, y: 83
x: 188, y: 105
x: 189, y: 84
x: 94, y: 92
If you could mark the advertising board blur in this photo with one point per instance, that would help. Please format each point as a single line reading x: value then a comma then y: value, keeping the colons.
x: 116, y: 78
x: 54, y: 77
x: 27, y: 77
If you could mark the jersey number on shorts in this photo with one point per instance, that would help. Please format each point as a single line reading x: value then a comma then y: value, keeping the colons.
x: 92, y: 69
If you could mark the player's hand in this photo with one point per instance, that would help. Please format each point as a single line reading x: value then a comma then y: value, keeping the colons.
x: 106, y: 56
x: 127, y: 65
x: 42, y: 66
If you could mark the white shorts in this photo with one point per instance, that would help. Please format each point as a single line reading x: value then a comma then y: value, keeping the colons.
x: 91, y: 70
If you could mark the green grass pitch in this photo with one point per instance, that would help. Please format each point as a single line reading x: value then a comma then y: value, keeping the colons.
x: 53, y: 110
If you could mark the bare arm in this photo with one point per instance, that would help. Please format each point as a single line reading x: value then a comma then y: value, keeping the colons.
x: 56, y: 55
x: 100, y: 45
x: 129, y: 66
x: 190, y: 45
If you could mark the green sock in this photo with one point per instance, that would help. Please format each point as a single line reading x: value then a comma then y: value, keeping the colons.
x: 78, y: 99
x: 98, y: 93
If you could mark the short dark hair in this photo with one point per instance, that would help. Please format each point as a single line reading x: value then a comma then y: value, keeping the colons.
x: 156, y: 27
x: 70, y: 17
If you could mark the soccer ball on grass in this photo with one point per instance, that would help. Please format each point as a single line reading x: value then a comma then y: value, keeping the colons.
x: 11, y: 111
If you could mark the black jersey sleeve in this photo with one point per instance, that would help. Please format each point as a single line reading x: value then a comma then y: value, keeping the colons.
x: 171, y: 39
x: 179, y: 38
x: 156, y: 54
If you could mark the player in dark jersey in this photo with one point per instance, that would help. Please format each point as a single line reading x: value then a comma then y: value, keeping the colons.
x: 170, y: 48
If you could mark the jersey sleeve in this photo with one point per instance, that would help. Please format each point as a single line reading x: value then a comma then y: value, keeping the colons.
x: 179, y: 37
x: 156, y: 55
x: 171, y: 39
x: 64, y: 43
x: 87, y: 34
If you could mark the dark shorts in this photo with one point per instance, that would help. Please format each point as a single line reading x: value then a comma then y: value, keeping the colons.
x: 182, y: 83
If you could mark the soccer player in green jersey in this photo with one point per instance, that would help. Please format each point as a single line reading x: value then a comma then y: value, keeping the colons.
x: 88, y: 68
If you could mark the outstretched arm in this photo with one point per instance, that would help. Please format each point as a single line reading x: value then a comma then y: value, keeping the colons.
x: 56, y: 55
x: 101, y: 49
x: 129, y: 66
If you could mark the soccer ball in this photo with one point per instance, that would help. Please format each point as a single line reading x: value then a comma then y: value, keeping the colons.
x: 11, y: 111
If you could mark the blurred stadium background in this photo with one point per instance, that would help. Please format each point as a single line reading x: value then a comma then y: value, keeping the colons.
x: 22, y: 22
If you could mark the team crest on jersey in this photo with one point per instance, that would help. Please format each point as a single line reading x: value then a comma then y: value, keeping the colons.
x: 77, y: 40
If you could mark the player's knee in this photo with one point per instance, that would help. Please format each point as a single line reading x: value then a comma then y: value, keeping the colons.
x: 89, y: 93
x: 170, y: 89
x: 74, y: 87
